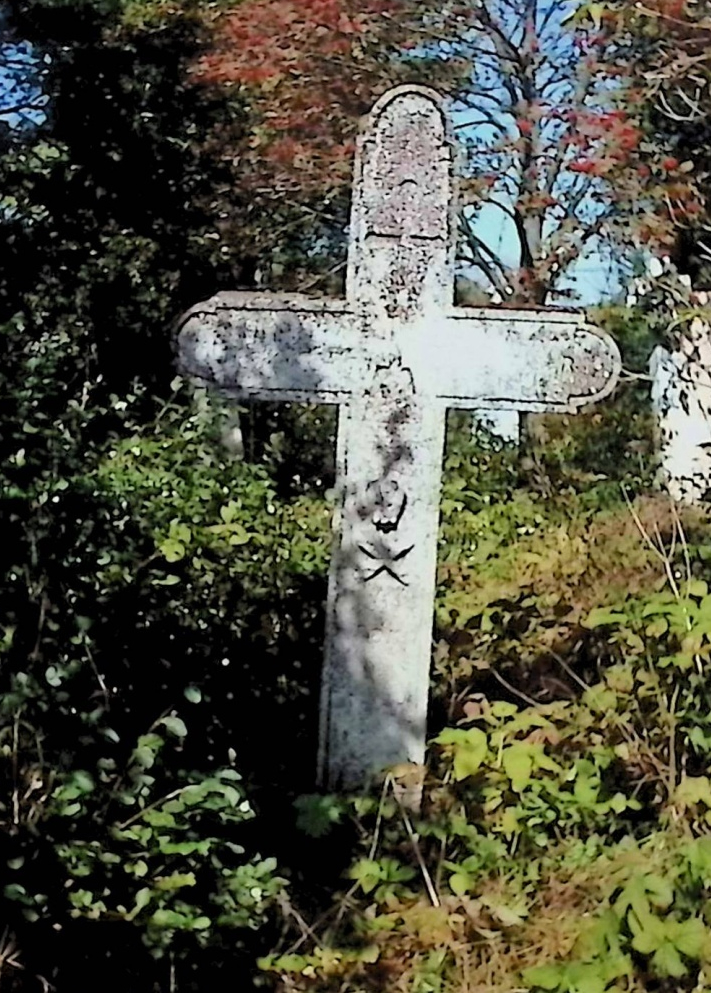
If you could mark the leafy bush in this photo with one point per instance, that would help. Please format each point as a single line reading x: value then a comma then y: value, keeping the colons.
x: 563, y: 841
x: 159, y: 602
x: 147, y: 587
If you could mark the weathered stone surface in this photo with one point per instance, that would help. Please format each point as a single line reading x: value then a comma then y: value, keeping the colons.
x: 681, y: 399
x: 395, y: 355
x: 300, y: 348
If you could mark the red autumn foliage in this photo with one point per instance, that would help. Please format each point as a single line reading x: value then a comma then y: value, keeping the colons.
x: 666, y: 45
x: 308, y: 70
x: 586, y: 166
x: 525, y: 126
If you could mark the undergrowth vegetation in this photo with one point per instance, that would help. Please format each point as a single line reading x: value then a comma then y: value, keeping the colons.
x: 564, y: 840
x: 563, y: 845
x: 161, y: 640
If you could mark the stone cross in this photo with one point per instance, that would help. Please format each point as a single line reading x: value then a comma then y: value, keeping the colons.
x: 395, y: 354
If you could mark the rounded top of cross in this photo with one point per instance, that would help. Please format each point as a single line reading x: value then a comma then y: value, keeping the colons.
x: 404, y: 91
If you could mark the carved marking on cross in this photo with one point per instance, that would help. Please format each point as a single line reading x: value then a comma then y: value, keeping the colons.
x: 388, y: 557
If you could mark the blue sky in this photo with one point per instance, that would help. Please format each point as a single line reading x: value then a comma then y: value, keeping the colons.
x: 487, y: 123
x: 593, y: 279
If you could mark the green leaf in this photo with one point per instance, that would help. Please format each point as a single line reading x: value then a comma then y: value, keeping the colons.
x: 586, y: 790
x: 451, y: 736
x: 659, y: 890
x: 175, y: 881
x: 180, y: 532
x: 602, y: 616
x: 169, y: 580
x: 467, y: 762
x: 229, y: 512
x: 501, y: 708
x: 13, y: 891
x: 367, y: 873
x: 370, y: 954
x: 589, y: 979
x: 460, y: 883
x: 83, y: 780
x: 469, y: 755
x: 517, y: 761
x: 175, y: 725
x: 690, y: 936
x: 590, y: 10
x: 172, y: 550
x: 666, y: 961
x: 509, y: 822
x: 657, y: 627
x: 158, y: 818
x: 545, y: 977
x: 600, y: 699
x: 143, y: 757
x: 648, y: 932
x: 692, y: 790
x: 164, y: 918
x: 143, y: 898
x: 192, y: 694
x: 238, y: 535
x: 185, y: 847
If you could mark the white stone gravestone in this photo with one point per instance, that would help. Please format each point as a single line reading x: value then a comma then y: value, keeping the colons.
x: 395, y: 354
x: 681, y: 401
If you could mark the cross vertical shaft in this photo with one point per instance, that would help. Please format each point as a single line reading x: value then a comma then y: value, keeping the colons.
x: 390, y: 442
x: 381, y: 587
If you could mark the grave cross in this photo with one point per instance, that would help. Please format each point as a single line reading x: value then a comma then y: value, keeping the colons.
x: 395, y: 354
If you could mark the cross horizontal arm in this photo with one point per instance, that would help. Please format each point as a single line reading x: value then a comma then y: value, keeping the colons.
x: 257, y: 346
x: 522, y: 360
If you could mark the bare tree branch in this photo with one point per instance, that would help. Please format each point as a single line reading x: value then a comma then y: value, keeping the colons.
x: 19, y: 108
x: 491, y: 267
